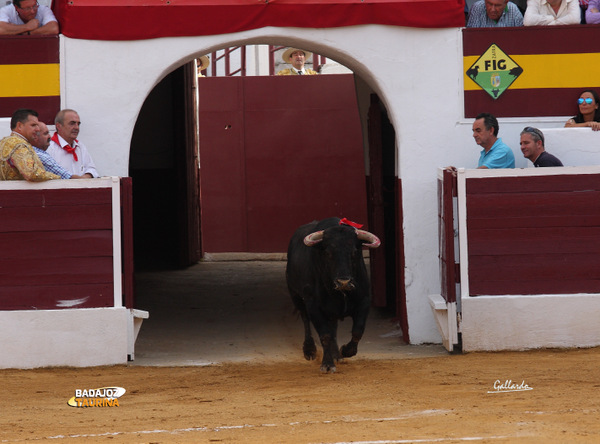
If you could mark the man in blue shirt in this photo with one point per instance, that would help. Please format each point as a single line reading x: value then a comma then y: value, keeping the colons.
x: 494, y: 14
x: 42, y: 141
x: 495, y: 153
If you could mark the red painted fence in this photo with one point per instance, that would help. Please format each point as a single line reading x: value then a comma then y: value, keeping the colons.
x: 58, y: 245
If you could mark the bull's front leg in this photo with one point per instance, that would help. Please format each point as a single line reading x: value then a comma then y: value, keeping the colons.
x: 359, y: 322
x: 327, y: 330
x: 330, y: 352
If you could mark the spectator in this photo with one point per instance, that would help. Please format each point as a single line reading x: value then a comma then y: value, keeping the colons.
x: 521, y: 4
x: 203, y: 63
x: 494, y: 14
x: 589, y: 115
x: 592, y: 15
x: 71, y: 154
x: 552, y: 12
x: 583, y: 5
x: 18, y: 160
x: 40, y: 144
x: 495, y: 153
x: 296, y: 58
x: 532, y: 147
x: 27, y: 17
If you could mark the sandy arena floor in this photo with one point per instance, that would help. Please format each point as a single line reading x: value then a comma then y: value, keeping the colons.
x: 206, y: 374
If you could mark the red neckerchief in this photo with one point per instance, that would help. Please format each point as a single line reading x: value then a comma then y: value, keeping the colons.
x: 68, y: 148
x: 345, y: 221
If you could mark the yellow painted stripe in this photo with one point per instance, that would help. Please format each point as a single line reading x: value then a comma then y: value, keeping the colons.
x: 29, y: 80
x: 549, y: 71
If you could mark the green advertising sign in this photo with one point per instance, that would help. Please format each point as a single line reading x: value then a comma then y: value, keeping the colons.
x: 494, y: 71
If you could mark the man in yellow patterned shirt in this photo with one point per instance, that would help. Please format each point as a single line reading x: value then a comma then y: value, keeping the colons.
x: 18, y: 160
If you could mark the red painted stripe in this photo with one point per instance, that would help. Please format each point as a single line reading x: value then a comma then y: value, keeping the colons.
x: 56, y: 218
x: 533, y: 205
x: 53, y: 198
x: 44, y: 245
x: 47, y: 107
x: 19, y: 50
x: 524, y: 102
x: 542, y: 240
x: 533, y: 40
x: 533, y: 287
x: 533, y: 220
x: 503, y: 185
x: 66, y: 271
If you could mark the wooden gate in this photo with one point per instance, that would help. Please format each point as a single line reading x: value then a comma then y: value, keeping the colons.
x: 275, y: 153
x: 444, y: 305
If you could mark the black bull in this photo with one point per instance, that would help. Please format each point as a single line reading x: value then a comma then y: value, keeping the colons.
x: 327, y: 280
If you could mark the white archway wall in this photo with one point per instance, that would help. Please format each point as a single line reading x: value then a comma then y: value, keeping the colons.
x: 417, y: 73
x: 107, y: 83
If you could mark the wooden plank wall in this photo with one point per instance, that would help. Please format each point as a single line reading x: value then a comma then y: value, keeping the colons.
x: 57, y: 249
x: 446, y: 190
x: 270, y: 163
x: 534, y: 235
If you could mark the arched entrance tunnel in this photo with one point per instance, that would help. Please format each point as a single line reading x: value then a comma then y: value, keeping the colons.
x: 240, y: 311
x: 228, y: 310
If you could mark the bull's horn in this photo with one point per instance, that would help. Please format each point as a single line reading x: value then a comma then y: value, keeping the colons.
x: 373, y: 241
x: 313, y: 238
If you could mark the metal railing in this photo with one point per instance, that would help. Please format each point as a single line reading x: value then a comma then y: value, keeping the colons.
x: 221, y: 62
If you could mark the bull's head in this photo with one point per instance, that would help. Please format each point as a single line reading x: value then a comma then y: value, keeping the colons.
x: 371, y: 241
x: 340, y: 257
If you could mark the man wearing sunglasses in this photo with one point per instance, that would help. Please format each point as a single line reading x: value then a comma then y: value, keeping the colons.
x: 532, y: 147
x: 495, y: 153
x: 27, y: 17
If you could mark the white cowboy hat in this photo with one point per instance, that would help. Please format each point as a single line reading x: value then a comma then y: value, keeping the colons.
x: 288, y: 52
x: 203, y: 63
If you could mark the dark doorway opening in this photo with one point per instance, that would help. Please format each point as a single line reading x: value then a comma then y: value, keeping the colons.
x: 163, y: 167
x: 385, y: 216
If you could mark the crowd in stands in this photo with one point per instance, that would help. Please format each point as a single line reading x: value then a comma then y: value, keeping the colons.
x: 30, y: 153
x: 496, y: 154
x: 505, y: 13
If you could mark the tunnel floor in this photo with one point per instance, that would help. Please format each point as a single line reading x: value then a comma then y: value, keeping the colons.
x: 240, y: 311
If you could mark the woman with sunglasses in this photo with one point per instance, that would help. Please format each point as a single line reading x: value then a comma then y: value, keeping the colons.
x: 589, y: 114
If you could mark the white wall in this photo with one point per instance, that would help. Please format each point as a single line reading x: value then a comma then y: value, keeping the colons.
x: 416, y: 72
x: 71, y: 337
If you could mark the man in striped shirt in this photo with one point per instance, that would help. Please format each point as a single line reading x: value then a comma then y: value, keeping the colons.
x: 42, y: 141
x: 494, y: 14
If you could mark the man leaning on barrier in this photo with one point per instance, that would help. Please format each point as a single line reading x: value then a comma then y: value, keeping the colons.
x: 18, y: 160
x: 27, y: 17
x: 532, y: 147
x: 495, y: 153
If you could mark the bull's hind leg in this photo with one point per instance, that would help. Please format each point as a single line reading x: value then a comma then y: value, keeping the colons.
x: 309, y: 347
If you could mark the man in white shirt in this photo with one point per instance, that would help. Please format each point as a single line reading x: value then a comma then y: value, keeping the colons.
x: 552, y: 12
x: 71, y: 154
x: 27, y: 17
